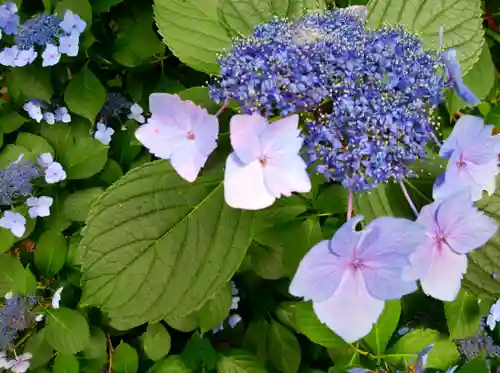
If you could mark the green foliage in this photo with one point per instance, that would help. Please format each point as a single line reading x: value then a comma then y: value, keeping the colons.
x: 156, y: 342
x: 462, y: 315
x: 239, y: 361
x: 125, y: 359
x: 384, y: 328
x: 51, y: 252
x: 67, y: 331
x: 283, y: 348
x: 65, y: 364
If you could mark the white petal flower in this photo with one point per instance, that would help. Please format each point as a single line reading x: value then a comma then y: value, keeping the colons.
x: 56, y: 298
x: 45, y: 160
x: 54, y: 173
x: 14, y: 222
x: 136, y: 113
x: 39, y: 207
x: 103, y: 133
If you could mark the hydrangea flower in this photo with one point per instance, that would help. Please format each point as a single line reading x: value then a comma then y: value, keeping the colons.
x: 473, y: 159
x: 349, y: 277
x: 14, y: 222
x: 236, y: 299
x: 45, y: 160
x: 16, y: 315
x: 62, y: 115
x: 41, y: 29
x: 19, y: 364
x: 54, y: 172
x: 455, y: 76
x: 69, y: 45
x: 454, y: 227
x: 180, y: 131
x: 265, y: 163
x: 49, y: 117
x: 56, y: 298
x: 50, y: 55
x: 72, y: 23
x: 8, y: 55
x: 103, y: 133
x: 233, y: 320
x: 34, y: 110
x: 494, y: 315
x: 136, y: 113
x: 479, y: 343
x: 39, y: 207
x: 25, y: 57
x: 9, y: 20
x: 115, y: 106
x: 16, y: 181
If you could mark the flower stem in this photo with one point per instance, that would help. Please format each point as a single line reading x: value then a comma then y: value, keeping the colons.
x: 436, y: 140
x: 408, y: 198
x: 349, y: 204
x: 222, y: 108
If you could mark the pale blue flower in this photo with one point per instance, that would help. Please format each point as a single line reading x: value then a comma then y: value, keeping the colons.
x: 349, y: 277
x: 34, y: 110
x: 233, y: 320
x: 218, y: 328
x: 103, y: 133
x: 50, y: 55
x: 19, y: 364
x: 8, y: 55
x: 136, y: 113
x: 494, y: 315
x: 14, y: 222
x: 39, y: 207
x: 49, y: 117
x: 72, y: 23
x: 473, y: 160
x: 54, y: 173
x: 454, y: 227
x: 449, y: 58
x: 25, y: 57
x: 69, y: 44
x: 9, y: 20
x: 56, y: 298
x: 45, y: 160
x: 62, y: 115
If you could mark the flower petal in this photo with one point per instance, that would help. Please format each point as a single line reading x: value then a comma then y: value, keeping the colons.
x: 346, y: 238
x: 351, y: 311
x: 244, y: 132
x: 163, y: 104
x: 319, y: 274
x: 281, y: 137
x: 420, y: 260
x: 187, y: 160
x: 244, y: 185
x: 286, y: 174
x: 159, y: 138
x: 206, y: 130
x: 466, y: 127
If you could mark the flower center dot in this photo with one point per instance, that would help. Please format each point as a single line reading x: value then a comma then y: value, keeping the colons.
x: 356, y: 264
x: 263, y: 161
x: 190, y: 136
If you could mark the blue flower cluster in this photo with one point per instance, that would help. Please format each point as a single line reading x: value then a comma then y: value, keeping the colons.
x: 116, y: 105
x: 15, y: 316
x: 9, y: 20
x: 50, y: 114
x: 45, y: 31
x: 478, y: 343
x: 368, y: 94
x: 16, y: 181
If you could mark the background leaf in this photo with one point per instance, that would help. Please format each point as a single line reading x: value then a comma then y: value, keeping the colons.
x: 51, y: 252
x: 125, y: 359
x: 384, y: 328
x: 462, y: 315
x: 283, y: 349
x: 67, y: 331
x: 239, y: 361
x: 65, y: 364
x: 156, y: 342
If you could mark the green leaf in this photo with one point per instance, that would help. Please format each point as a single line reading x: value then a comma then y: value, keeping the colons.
x: 31, y: 82
x: 199, y: 353
x: 282, y: 211
x: 39, y: 348
x: 112, y: 172
x: 425, y: 17
x: 147, y: 252
x: 59, y: 136
x: 67, y: 331
x: 156, y: 342
x: 283, y: 348
x: 384, y: 328
x: 493, y: 117
x: 102, y: 6
x: 308, y: 324
x: 477, y: 365
x: 77, y: 205
x: 85, y: 158
x: 11, y: 272
x: 462, y: 315
x: 85, y: 94
x: 239, y: 361
x: 285, y: 312
x: 66, y: 364
x: 138, y: 42
x: 443, y: 355
x: 80, y: 7
x: 215, y: 310
x: 11, y: 120
x: 51, y: 252
x: 184, y: 324
x: 267, y: 261
x: 95, y: 353
x: 333, y: 199
x: 200, y: 96
x: 125, y: 145
x: 480, y: 79
x: 35, y: 144
x: 172, y: 364
x: 125, y: 359
x: 192, y: 31
x: 255, y: 339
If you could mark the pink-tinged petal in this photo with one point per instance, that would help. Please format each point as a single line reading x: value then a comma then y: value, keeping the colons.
x: 159, y: 138
x: 281, y: 137
x: 244, y: 185
x: 346, y: 238
x: 244, y: 132
x: 384, y: 277
x: 466, y: 127
x: 351, y: 311
x: 420, y: 260
x: 187, y: 160
x: 443, y: 279
x: 464, y: 227
x: 484, y: 175
x: 163, y: 104
x: 286, y: 174
x: 319, y: 274
x: 386, y: 235
x: 187, y: 114
x: 206, y: 130
x: 428, y: 217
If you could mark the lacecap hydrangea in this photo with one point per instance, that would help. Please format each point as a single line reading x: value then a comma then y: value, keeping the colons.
x: 365, y: 96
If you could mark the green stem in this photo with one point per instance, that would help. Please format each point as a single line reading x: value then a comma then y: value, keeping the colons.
x: 493, y: 35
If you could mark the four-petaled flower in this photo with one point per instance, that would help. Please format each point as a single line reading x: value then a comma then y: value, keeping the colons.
x: 62, y: 115
x: 265, y: 163
x: 72, y: 23
x: 54, y: 172
x: 49, y: 117
x: 473, y: 159
x: 39, y: 207
x: 19, y: 364
x: 103, y: 133
x: 454, y: 227
x: 180, y: 131
x: 14, y: 222
x: 136, y: 113
x: 34, y: 110
x: 50, y: 55
x: 69, y: 44
x: 349, y: 277
x: 452, y: 65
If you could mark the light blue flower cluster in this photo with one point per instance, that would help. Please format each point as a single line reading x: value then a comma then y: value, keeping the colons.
x: 44, y: 31
x: 368, y: 94
x: 34, y: 109
x: 15, y: 316
x: 16, y: 181
x: 9, y: 20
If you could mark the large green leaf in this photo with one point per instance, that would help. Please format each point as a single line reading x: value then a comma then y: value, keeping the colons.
x: 283, y: 348
x: 65, y: 364
x: 239, y: 361
x: 125, y: 359
x: 30, y: 82
x: 67, y: 331
x: 462, y: 315
x: 461, y: 20
x: 192, y: 30
x: 172, y: 364
x: 156, y: 246
x: 51, y: 252
x: 384, y: 328
x: 215, y: 310
x: 40, y: 348
x: 156, y: 342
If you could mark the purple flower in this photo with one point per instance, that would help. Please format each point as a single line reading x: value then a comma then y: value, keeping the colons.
x: 34, y: 110
x: 25, y: 57
x: 50, y: 55
x: 72, y: 23
x: 180, y: 131
x: 473, y: 159
x: 41, y: 29
x: 349, y: 277
x: 265, y: 163
x: 8, y: 55
x: 14, y: 222
x: 454, y: 227
x: 9, y: 20
x: 62, y: 115
x: 455, y: 75
x: 49, y: 117
x: 16, y: 181
x: 39, y: 207
x: 103, y: 133
x: 69, y: 44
